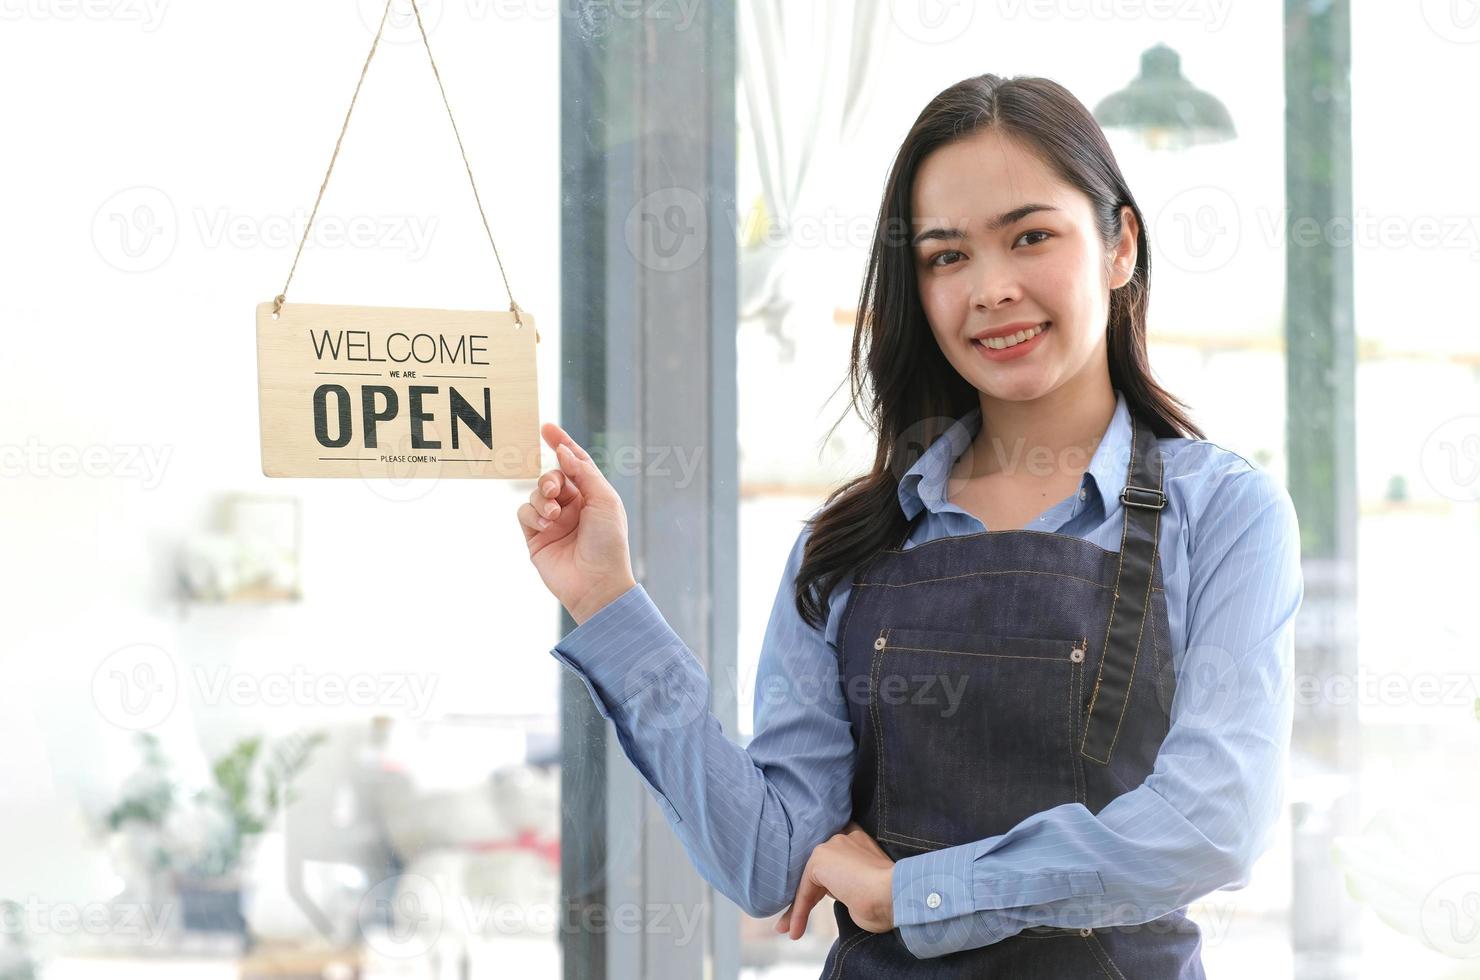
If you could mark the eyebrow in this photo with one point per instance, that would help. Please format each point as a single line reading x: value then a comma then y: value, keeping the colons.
x: 996, y: 224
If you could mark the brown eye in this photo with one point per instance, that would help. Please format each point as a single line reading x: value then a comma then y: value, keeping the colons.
x: 1025, y: 234
x: 935, y: 260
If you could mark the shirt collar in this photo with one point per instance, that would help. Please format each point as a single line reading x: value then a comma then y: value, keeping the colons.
x: 924, y: 484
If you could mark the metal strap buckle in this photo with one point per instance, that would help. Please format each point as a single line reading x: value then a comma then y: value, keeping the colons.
x: 1159, y: 497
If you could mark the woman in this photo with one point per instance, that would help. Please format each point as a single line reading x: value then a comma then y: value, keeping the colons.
x: 1045, y: 704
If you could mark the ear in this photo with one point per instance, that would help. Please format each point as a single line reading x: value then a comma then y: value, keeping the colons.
x: 1122, y: 260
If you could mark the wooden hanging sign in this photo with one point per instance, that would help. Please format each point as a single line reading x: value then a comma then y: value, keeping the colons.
x: 373, y: 391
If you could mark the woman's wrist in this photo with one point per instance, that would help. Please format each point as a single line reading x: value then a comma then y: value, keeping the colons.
x: 599, y: 598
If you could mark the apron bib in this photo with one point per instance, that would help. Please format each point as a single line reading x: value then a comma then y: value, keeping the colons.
x: 1009, y: 672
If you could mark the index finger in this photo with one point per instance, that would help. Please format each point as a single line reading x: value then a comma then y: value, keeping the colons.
x: 554, y: 435
x: 809, y: 893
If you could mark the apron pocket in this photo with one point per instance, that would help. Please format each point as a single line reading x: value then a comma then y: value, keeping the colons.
x: 972, y: 732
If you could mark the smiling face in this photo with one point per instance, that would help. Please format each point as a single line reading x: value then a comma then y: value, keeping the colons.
x: 998, y: 240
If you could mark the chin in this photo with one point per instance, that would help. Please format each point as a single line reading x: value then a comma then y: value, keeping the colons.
x: 1018, y: 389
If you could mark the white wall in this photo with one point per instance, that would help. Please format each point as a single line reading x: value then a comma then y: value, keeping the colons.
x: 221, y: 120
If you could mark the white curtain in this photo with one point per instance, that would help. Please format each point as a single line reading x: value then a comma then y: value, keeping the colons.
x: 807, y: 69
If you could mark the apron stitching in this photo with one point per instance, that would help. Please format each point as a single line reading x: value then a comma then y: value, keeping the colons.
x: 1140, y: 635
x: 847, y: 947
x: 1125, y: 525
x: 1165, y: 669
x: 977, y: 653
x: 894, y: 834
x: 1008, y: 571
x: 1070, y: 720
x: 982, y: 534
x: 879, y: 732
x: 1115, y: 601
x: 952, y: 578
x: 1076, y: 678
x: 1103, y: 956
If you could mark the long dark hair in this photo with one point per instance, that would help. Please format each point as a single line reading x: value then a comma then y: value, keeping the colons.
x: 915, y: 392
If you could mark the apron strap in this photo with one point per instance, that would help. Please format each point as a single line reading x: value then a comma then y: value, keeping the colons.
x: 1130, y: 608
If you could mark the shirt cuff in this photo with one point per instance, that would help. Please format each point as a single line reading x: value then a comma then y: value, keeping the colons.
x: 621, y: 650
x: 933, y: 905
x: 933, y: 886
x: 942, y: 904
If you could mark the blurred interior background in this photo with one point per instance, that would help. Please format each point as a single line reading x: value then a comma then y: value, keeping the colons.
x: 258, y: 728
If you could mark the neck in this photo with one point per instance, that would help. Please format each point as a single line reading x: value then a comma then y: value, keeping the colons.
x: 1044, y: 439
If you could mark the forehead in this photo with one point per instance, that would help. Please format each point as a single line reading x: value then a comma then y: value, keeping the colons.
x: 981, y: 176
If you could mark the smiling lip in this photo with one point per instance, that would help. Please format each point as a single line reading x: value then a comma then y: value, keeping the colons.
x: 1008, y: 330
x: 1019, y: 350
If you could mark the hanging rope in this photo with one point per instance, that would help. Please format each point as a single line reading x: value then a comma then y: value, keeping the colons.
x: 282, y: 297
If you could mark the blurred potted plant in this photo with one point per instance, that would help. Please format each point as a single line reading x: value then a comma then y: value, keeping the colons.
x: 15, y: 957
x: 201, y: 836
x: 142, y: 849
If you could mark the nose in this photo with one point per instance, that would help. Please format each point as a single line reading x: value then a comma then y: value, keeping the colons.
x: 995, y: 285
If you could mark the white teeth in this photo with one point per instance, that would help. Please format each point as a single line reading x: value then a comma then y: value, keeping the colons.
x: 1012, y: 340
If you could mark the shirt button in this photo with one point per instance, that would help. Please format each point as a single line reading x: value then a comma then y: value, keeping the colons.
x: 1081, y: 493
x: 933, y: 900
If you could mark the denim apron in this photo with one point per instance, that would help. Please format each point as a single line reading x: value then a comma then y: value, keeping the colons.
x: 1059, y: 654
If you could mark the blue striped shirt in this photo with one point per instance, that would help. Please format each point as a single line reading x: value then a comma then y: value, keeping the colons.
x: 749, y: 817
